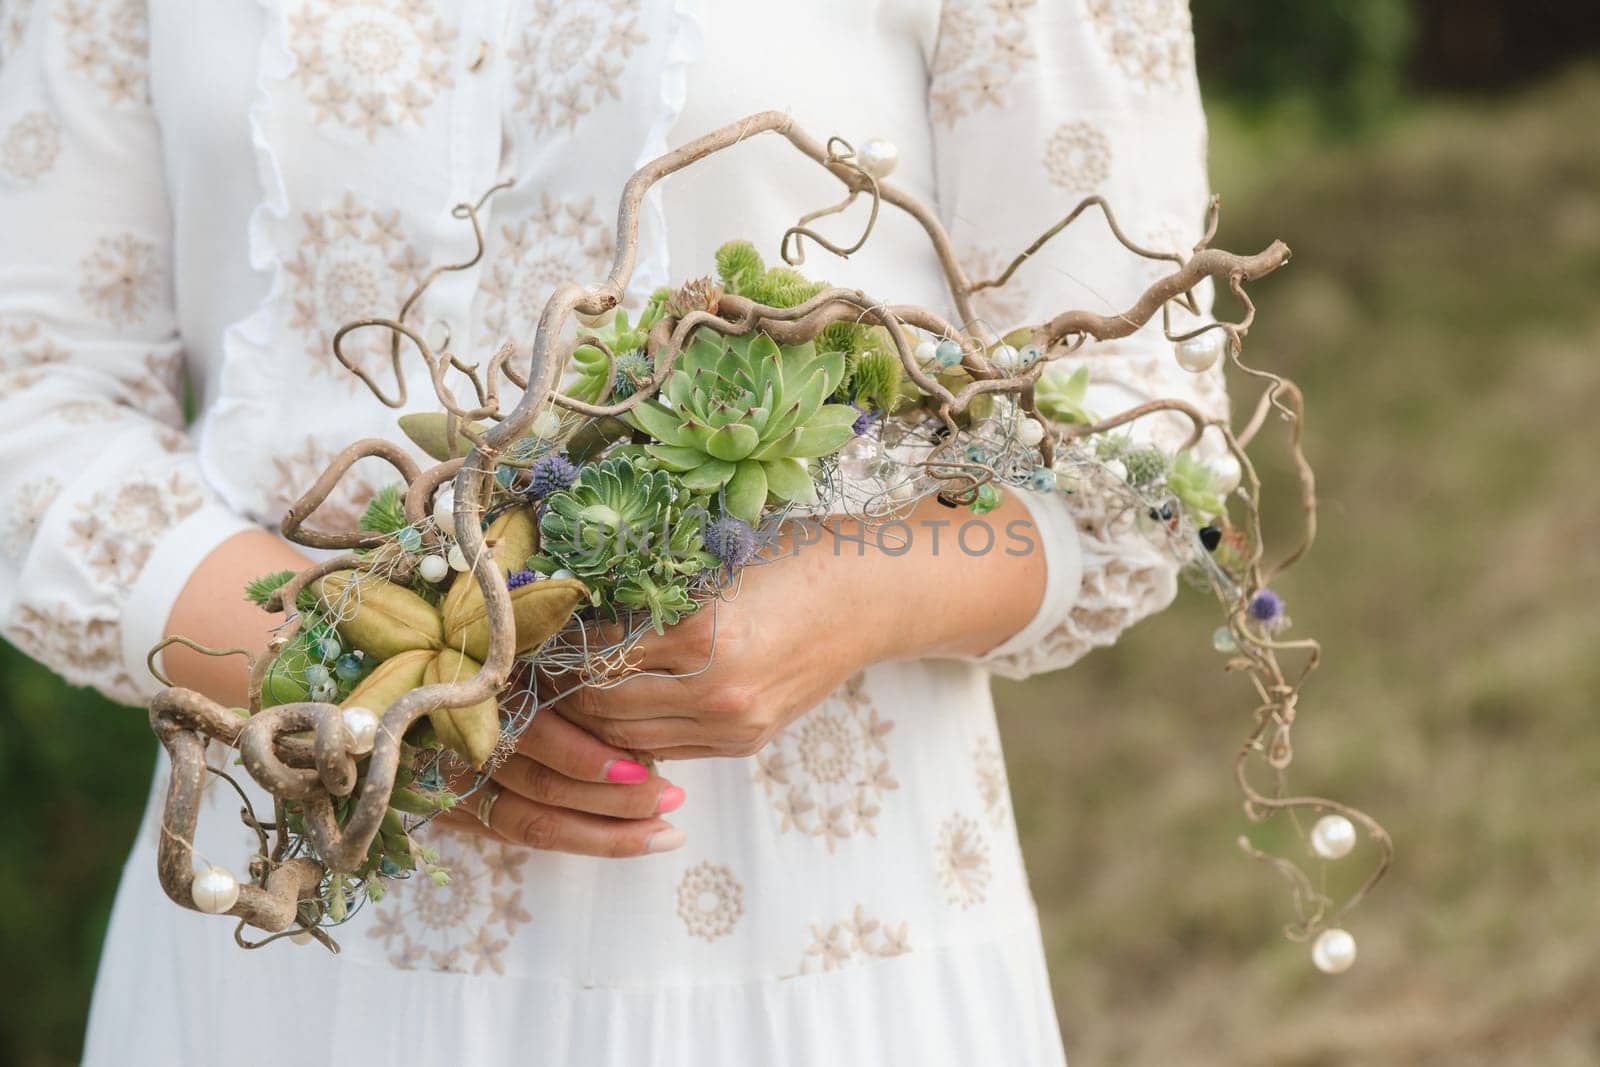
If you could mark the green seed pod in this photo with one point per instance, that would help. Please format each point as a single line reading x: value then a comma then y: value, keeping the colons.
x: 540, y: 610
x: 382, y: 619
x: 473, y: 732
x: 390, y: 680
x: 430, y: 431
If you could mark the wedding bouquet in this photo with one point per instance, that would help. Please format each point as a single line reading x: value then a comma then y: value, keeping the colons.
x: 648, y: 459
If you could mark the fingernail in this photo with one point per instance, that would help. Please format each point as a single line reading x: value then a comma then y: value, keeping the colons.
x: 626, y: 772
x: 671, y: 800
x: 666, y: 840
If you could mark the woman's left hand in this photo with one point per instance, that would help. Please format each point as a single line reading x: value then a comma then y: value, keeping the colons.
x: 804, y: 622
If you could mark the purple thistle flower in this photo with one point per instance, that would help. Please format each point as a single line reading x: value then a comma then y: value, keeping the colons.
x: 865, y: 421
x: 551, y: 474
x: 519, y: 579
x: 1266, y: 606
x: 732, y: 540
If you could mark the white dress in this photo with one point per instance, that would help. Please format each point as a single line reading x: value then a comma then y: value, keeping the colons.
x: 211, y: 191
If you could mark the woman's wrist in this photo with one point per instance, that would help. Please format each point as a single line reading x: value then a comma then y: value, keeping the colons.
x: 938, y: 582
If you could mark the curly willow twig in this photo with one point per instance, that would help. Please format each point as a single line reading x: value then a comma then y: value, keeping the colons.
x: 298, y: 751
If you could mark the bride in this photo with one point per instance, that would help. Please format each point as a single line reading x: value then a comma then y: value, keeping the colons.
x: 824, y: 867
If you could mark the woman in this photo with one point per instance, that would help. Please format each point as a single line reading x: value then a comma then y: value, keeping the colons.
x: 213, y: 192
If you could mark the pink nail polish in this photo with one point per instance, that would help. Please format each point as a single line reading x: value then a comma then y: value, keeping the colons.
x: 626, y: 772
x: 666, y: 840
x: 671, y: 800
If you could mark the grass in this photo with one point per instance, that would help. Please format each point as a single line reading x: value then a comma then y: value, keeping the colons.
x: 1440, y: 314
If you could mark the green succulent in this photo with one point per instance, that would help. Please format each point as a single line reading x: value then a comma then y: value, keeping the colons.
x: 741, y: 415
x: 1196, y: 487
x: 627, y: 534
x: 623, y: 337
x: 1061, y: 399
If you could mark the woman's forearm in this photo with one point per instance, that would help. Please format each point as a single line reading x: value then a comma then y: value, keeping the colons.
x: 212, y: 610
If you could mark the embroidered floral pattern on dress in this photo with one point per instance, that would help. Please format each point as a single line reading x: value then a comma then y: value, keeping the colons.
x: 23, y: 344
x: 961, y: 860
x: 570, y: 58
x: 85, y: 648
x: 31, y: 146
x: 710, y: 900
x: 1150, y: 41
x: 828, y: 772
x: 108, y: 44
x: 296, y: 471
x: 858, y: 939
x: 351, y: 262
x: 122, y: 279
x: 24, y: 513
x: 989, y: 767
x: 372, y: 64
x: 464, y: 925
x: 1078, y: 157
x: 13, y: 24
x: 980, y: 48
x: 554, y: 243
x: 117, y: 526
x: 1002, y: 307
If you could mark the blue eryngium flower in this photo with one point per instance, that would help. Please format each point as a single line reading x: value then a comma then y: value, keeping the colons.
x: 551, y: 474
x: 731, y: 540
x: 1266, y: 607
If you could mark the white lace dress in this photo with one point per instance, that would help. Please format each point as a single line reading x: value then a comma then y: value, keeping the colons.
x: 210, y: 190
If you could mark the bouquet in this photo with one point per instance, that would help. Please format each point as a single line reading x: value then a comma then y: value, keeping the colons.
x: 647, y: 459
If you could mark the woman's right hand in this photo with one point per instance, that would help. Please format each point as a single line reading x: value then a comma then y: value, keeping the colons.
x: 565, y: 791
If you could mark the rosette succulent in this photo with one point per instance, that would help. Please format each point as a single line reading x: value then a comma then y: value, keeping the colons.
x: 626, y: 534
x: 741, y: 416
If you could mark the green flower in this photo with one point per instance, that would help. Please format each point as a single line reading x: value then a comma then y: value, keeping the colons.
x: 589, y: 362
x: 620, y: 529
x: 742, y: 415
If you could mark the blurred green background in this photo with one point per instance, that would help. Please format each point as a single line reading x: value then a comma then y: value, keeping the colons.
x: 1436, y: 168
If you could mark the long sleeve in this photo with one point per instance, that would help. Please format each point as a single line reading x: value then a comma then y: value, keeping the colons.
x: 103, y: 510
x: 1035, y: 105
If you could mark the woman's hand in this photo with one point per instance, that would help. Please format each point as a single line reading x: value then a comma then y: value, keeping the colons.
x: 565, y: 791
x: 830, y: 603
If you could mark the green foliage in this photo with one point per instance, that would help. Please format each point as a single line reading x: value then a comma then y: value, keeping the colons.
x: 1195, y: 485
x: 875, y: 379
x: 589, y: 363
x: 739, y: 266
x: 739, y: 416
x: 1146, y: 466
x: 386, y: 511
x: 1061, y: 399
x: 260, y: 589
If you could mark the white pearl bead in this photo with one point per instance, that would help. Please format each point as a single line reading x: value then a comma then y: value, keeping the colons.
x: 562, y: 572
x: 324, y: 690
x: 1333, y: 951
x: 926, y: 352
x: 361, y: 729
x: 546, y: 424
x: 433, y: 568
x: 1228, y: 474
x: 214, y: 890
x: 444, y: 510
x: 878, y: 157
x: 1030, y: 433
x: 1117, y: 469
x: 1199, y: 354
x: 1333, y: 836
x: 457, y: 559
x: 301, y: 938
x: 1007, y: 358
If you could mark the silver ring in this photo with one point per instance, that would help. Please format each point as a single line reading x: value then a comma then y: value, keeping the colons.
x: 485, y: 808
